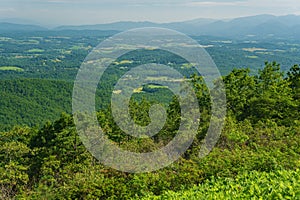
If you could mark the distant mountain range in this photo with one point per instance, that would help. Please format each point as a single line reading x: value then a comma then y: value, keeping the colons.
x: 261, y: 26
x: 11, y: 27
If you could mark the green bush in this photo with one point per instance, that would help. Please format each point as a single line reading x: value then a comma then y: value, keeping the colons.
x: 249, y: 185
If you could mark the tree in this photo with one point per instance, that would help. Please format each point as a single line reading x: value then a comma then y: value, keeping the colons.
x: 294, y: 79
x: 273, y: 96
x: 240, y: 87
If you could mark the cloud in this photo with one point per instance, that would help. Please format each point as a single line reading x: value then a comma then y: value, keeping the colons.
x: 215, y: 3
x: 58, y: 1
x: 157, y: 3
x: 140, y: 2
x: 7, y: 9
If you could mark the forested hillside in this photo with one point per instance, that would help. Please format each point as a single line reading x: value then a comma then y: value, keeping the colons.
x: 37, y: 69
x: 32, y: 102
x: 259, y: 143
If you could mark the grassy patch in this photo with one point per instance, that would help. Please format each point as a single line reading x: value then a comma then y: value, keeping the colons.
x: 252, y: 57
x: 123, y: 62
x: 254, y: 49
x: 36, y: 51
x: 11, y: 68
x: 157, y: 86
x: 138, y: 90
x: 187, y: 66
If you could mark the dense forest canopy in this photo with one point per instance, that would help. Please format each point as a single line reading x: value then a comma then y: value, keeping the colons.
x: 256, y: 156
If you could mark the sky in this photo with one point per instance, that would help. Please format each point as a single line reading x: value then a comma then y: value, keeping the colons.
x: 75, y: 12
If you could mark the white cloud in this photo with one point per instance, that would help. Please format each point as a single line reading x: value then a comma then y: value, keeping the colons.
x: 7, y: 9
x: 214, y: 3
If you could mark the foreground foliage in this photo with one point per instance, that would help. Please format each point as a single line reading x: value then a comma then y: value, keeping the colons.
x: 250, y: 185
x: 259, y: 147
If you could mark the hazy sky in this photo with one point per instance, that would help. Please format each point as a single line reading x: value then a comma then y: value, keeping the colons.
x: 57, y: 12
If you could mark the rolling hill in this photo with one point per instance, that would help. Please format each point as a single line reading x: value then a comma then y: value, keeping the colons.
x: 259, y: 26
x: 11, y: 27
